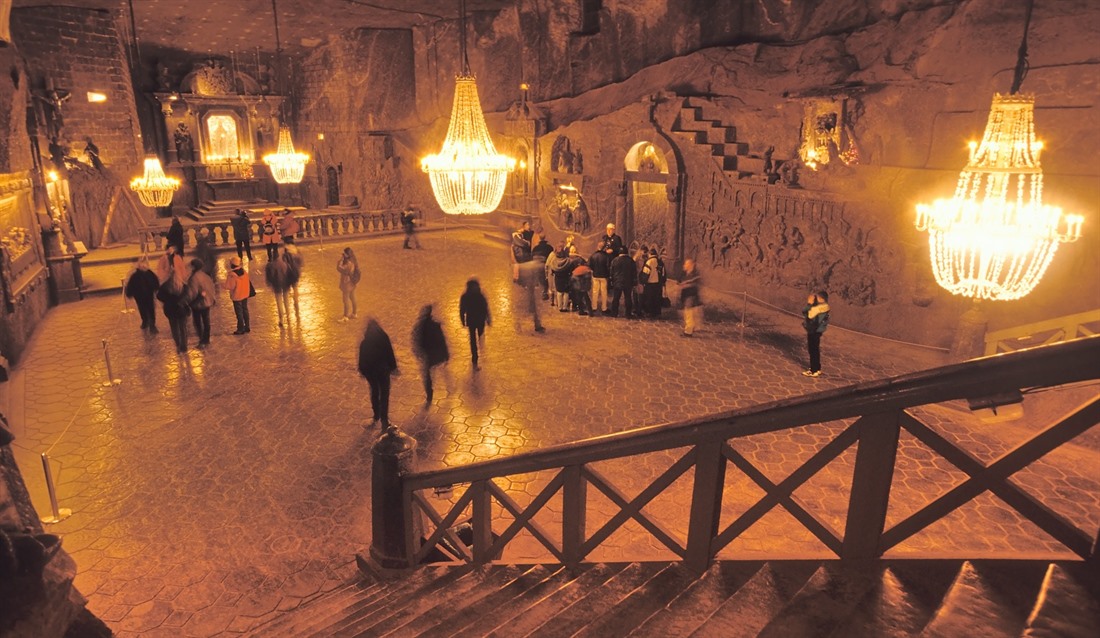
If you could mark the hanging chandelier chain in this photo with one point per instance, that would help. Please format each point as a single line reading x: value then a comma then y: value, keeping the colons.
x: 462, y: 39
x: 1021, y: 55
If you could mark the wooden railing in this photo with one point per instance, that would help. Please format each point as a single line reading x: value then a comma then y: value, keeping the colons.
x: 314, y: 226
x: 877, y: 413
x: 1082, y: 324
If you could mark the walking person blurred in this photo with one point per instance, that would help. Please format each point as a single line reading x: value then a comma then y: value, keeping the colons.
x: 174, y: 236
x: 689, y: 298
x: 408, y: 221
x: 173, y: 296
x: 294, y: 264
x: 376, y: 364
x: 200, y: 296
x: 204, y: 251
x: 142, y: 288
x: 529, y: 274
x: 473, y: 311
x: 348, y: 267
x: 430, y: 347
x: 240, y: 288
x: 277, y: 274
x: 288, y: 226
x: 269, y: 234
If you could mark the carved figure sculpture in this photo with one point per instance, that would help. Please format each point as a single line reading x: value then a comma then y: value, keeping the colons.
x: 185, y: 145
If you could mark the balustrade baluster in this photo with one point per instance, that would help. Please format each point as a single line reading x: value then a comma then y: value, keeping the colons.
x: 224, y: 228
x: 706, y: 504
x: 574, y: 495
x: 482, y: 522
x: 871, y: 480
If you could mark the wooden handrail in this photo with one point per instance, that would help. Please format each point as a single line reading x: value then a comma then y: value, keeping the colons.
x: 1040, y: 367
x: 1070, y: 325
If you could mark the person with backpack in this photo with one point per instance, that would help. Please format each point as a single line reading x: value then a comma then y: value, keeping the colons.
x: 288, y: 226
x: 200, y: 297
x: 269, y: 234
x: 348, y: 267
x: 815, y: 318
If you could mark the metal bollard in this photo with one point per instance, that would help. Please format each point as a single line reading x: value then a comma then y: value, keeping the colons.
x: 126, y: 309
x: 393, y: 456
x: 111, y: 380
x: 59, y: 514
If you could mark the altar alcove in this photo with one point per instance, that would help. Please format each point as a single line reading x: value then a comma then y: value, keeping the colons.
x: 652, y: 194
x: 218, y: 126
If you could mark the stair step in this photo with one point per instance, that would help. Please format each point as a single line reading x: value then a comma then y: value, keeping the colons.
x: 754, y: 605
x: 1065, y: 607
x: 435, y: 603
x: 987, y: 595
x: 293, y: 622
x: 902, y: 602
x: 826, y: 600
x: 729, y: 149
x: 547, y: 608
x: 699, y: 600
x: 719, y: 135
x: 597, y: 601
x: 640, y: 604
x: 502, y: 615
x: 495, y: 609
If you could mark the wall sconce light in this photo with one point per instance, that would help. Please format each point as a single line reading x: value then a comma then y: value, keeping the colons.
x: 52, y: 176
x: 95, y: 97
x: 320, y: 136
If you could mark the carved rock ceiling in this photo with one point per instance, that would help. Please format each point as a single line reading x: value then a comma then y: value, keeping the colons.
x: 221, y: 26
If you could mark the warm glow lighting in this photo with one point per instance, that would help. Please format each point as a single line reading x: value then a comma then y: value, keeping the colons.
x: 287, y: 166
x: 52, y: 176
x: 96, y: 97
x: 154, y: 188
x: 468, y: 175
x: 994, y: 239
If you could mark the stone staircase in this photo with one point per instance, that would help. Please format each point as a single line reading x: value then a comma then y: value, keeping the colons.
x: 778, y: 599
x: 731, y: 155
x: 223, y: 210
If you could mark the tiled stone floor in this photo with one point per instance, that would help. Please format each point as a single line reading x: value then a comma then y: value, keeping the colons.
x: 212, y: 491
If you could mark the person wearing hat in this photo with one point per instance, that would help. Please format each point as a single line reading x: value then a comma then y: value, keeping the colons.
x: 612, y: 243
x: 240, y: 289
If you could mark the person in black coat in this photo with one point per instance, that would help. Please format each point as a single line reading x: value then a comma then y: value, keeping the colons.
x: 142, y: 288
x: 376, y: 364
x: 473, y: 311
x: 430, y: 347
x: 624, y: 276
x: 242, y: 233
x: 174, y: 236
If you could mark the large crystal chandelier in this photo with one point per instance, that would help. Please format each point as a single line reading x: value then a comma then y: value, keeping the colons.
x: 995, y: 238
x: 287, y: 166
x: 154, y: 188
x: 468, y: 175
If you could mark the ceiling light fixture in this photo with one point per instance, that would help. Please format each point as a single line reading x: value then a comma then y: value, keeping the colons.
x: 287, y: 166
x: 468, y: 176
x: 995, y: 238
x: 154, y: 188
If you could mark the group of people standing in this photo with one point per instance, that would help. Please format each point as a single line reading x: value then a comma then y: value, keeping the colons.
x: 183, y: 288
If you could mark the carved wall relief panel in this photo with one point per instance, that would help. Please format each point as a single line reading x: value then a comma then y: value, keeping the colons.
x: 790, y: 238
x: 22, y: 260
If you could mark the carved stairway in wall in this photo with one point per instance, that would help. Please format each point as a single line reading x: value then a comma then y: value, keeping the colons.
x: 731, y: 155
x: 781, y: 599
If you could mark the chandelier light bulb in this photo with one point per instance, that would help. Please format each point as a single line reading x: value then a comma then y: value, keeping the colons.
x: 154, y: 188
x: 468, y: 176
x: 287, y: 166
x: 995, y: 238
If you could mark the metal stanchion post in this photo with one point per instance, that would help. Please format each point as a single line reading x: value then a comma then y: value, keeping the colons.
x: 744, y: 312
x: 111, y: 380
x: 59, y: 514
x: 125, y: 306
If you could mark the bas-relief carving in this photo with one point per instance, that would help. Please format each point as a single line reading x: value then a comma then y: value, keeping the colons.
x: 789, y: 238
x: 22, y: 263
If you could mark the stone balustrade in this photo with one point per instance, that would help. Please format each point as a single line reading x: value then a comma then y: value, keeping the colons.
x: 313, y: 227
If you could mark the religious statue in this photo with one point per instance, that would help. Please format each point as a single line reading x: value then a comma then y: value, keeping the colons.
x: 164, y: 83
x: 92, y: 151
x: 185, y: 146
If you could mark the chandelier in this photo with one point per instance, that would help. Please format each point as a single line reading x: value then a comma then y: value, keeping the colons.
x: 468, y: 176
x: 287, y: 166
x: 154, y: 188
x: 995, y: 238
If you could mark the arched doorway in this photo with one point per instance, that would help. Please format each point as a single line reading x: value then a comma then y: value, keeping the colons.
x: 650, y: 215
x: 332, y: 186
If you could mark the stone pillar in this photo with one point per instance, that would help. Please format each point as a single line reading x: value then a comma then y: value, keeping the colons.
x: 393, y: 456
x: 969, y: 341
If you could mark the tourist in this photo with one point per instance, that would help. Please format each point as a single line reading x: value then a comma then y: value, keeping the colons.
x: 242, y: 233
x: 581, y: 286
x: 600, y: 263
x: 529, y: 274
x: 408, y: 221
x: 174, y: 236
x: 200, y: 296
x: 348, y: 267
x: 815, y: 317
x: 278, y: 276
x: 240, y: 288
x: 473, y: 312
x: 640, y: 257
x: 624, y: 276
x: 612, y: 243
x: 269, y: 234
x: 652, y: 285
x: 288, y: 226
x: 521, y: 248
x: 540, y: 252
x: 430, y: 347
x: 142, y: 288
x: 376, y: 364
x: 204, y: 250
x: 563, y: 275
x: 294, y: 262
x: 689, y: 298
x: 549, y: 272
x: 173, y: 295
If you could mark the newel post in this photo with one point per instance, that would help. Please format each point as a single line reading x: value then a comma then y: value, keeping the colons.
x: 706, y: 504
x: 871, y: 480
x: 393, y: 456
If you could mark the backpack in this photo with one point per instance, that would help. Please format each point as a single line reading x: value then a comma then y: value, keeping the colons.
x: 269, y: 228
x: 822, y: 322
